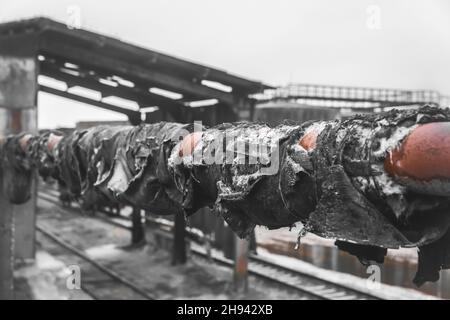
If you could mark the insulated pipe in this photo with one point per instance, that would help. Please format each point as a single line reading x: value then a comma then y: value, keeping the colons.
x: 424, y: 155
x: 373, y: 181
x: 421, y: 161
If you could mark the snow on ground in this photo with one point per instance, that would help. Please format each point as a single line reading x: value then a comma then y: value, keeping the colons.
x: 46, y: 279
x: 148, y: 266
x: 382, y: 290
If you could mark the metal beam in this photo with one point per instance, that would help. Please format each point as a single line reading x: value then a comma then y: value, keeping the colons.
x: 387, y: 97
x: 133, y: 71
x: 176, y: 108
x: 103, y: 105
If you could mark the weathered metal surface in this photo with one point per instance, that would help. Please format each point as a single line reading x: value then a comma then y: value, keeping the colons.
x: 137, y: 229
x: 18, y: 84
x: 329, y: 175
x: 240, y: 272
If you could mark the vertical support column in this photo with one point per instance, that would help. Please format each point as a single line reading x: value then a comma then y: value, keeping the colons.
x: 6, y: 245
x: 25, y: 214
x: 137, y: 229
x: 244, y: 108
x: 18, y: 101
x: 134, y: 120
x: 240, y: 275
x: 228, y: 241
x: 179, y: 255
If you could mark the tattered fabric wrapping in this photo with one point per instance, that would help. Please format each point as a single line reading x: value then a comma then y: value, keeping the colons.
x: 139, y: 174
x: 356, y: 201
x: 338, y: 190
x: 126, y: 164
x: 16, y: 167
x: 37, y: 148
x: 242, y: 189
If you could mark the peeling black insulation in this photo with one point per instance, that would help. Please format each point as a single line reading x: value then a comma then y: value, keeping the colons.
x: 338, y: 189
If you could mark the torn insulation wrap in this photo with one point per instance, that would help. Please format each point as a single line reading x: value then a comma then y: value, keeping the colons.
x: 236, y: 168
x: 330, y: 176
x: 17, y: 168
x: 41, y: 149
x: 123, y: 164
x: 142, y: 160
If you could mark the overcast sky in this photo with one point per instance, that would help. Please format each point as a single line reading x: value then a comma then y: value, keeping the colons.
x: 275, y: 41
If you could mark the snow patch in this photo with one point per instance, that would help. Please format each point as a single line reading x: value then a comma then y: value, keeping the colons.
x: 45, y: 261
x: 103, y: 251
x: 393, y: 141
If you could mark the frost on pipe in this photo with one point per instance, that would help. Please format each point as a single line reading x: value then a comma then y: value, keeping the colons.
x: 372, y: 182
x: 236, y: 168
x: 360, y: 201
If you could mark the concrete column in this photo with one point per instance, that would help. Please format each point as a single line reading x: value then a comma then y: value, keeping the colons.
x: 6, y: 246
x: 18, y: 101
x: 240, y: 278
x: 137, y: 228
x: 179, y: 254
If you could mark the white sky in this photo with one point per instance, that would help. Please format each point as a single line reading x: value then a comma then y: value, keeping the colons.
x: 275, y: 41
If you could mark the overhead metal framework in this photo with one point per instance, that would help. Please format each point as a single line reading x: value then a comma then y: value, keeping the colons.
x: 377, y: 96
x: 115, y: 68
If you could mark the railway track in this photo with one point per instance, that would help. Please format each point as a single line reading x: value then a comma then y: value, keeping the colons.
x: 308, y: 285
x: 321, y: 288
x: 98, y: 286
x: 261, y: 268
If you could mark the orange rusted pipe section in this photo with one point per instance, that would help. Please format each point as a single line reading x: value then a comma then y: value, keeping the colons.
x: 23, y: 142
x: 189, y: 143
x: 424, y: 154
x: 53, y: 140
x: 309, y: 140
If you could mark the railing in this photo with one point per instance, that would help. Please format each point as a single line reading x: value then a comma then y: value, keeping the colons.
x: 387, y: 97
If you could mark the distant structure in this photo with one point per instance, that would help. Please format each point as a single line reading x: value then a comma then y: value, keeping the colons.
x: 275, y: 112
x: 353, y: 97
x: 302, y: 102
x: 81, y: 125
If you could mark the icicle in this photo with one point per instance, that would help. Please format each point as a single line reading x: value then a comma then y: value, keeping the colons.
x: 301, y: 234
